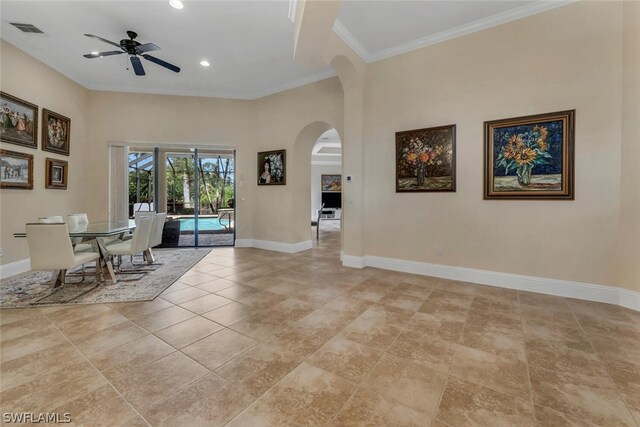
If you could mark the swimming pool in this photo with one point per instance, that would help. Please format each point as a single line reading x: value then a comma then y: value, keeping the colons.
x: 204, y: 224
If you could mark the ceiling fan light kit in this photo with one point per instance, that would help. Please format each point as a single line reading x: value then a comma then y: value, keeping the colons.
x: 134, y: 49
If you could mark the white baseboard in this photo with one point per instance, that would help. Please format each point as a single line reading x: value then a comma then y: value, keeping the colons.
x: 562, y: 288
x: 629, y: 299
x: 354, y: 261
x: 15, y: 268
x: 289, y: 248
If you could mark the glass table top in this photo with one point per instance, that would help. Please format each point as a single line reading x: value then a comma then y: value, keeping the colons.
x: 99, y: 229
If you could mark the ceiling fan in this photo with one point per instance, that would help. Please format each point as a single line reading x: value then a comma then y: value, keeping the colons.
x: 133, y: 48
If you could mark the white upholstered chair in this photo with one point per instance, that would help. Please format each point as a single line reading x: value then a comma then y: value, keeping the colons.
x: 156, y: 230
x: 142, y: 214
x: 50, y: 249
x: 155, y: 238
x: 79, y: 222
x: 137, y: 244
x: 51, y: 220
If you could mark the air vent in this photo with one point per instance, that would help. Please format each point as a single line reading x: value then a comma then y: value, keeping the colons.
x: 27, y: 28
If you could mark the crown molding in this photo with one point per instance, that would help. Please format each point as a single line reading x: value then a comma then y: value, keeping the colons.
x: 322, y: 75
x: 351, y: 41
x: 462, y: 30
x: 206, y: 94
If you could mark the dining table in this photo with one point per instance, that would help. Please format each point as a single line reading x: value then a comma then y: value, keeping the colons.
x: 101, y: 232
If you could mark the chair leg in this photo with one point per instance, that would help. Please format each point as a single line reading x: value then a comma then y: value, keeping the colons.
x: 55, y: 278
x: 61, y: 278
x: 99, y: 272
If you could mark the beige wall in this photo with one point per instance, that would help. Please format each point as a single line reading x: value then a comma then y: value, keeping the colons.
x: 630, y: 206
x: 31, y: 80
x: 293, y: 120
x: 568, y: 58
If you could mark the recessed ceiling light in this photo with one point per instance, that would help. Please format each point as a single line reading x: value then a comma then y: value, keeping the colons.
x: 176, y: 4
x: 204, y: 63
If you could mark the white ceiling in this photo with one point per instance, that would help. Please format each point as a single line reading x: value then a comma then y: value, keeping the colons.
x: 248, y: 43
x: 327, y: 149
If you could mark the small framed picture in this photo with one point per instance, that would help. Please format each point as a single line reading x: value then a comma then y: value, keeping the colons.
x: 530, y: 157
x: 272, y: 167
x: 57, y: 172
x: 331, y: 183
x: 56, y: 131
x: 16, y: 170
x: 19, y: 121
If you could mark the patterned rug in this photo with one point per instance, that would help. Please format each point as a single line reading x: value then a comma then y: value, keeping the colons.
x: 34, y: 289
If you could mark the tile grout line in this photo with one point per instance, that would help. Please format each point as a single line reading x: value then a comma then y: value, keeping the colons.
x: 383, y: 353
x: 457, y: 345
x: 489, y: 387
x: 100, y: 372
x: 526, y: 357
x: 299, y: 364
x: 604, y: 365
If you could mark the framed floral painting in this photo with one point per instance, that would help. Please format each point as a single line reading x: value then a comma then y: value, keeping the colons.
x: 19, y: 121
x: 56, y: 131
x: 272, y: 167
x: 530, y: 157
x: 426, y: 160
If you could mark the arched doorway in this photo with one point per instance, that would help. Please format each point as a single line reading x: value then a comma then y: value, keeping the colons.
x: 326, y: 188
x: 301, y: 173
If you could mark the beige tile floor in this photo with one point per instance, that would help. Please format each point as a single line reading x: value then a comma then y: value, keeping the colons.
x: 257, y: 338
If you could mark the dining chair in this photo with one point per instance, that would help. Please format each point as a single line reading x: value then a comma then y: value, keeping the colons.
x: 51, y: 219
x: 79, y: 222
x: 137, y: 244
x: 143, y: 214
x: 155, y: 237
x: 50, y: 249
x: 77, y: 247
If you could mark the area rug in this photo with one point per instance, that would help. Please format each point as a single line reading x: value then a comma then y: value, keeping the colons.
x: 34, y: 289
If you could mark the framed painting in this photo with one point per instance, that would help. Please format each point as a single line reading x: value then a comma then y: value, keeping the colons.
x: 19, y: 121
x: 56, y: 130
x: 426, y: 160
x: 272, y: 167
x: 16, y: 170
x: 530, y: 157
x: 57, y: 172
x: 331, y: 183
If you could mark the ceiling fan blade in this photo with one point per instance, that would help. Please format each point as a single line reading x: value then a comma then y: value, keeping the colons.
x: 137, y: 66
x: 101, y: 54
x: 162, y: 63
x: 104, y: 40
x: 147, y: 47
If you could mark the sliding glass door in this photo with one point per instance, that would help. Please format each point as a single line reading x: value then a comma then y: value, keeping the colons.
x: 200, y: 189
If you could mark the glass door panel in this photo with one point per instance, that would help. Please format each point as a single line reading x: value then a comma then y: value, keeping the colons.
x: 200, y: 188
x: 181, y: 194
x: 216, y: 219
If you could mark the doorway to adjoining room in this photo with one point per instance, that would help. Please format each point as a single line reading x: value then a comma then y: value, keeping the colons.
x: 326, y: 189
